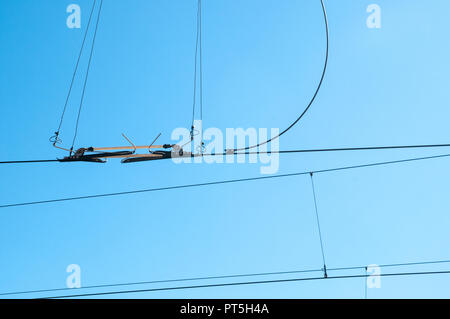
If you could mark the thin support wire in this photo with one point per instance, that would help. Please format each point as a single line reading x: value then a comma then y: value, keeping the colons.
x: 318, y: 225
x: 87, y: 75
x: 198, y: 77
x: 365, y: 283
x: 55, y: 139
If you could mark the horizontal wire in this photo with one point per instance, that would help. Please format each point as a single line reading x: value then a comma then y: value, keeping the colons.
x: 396, y: 265
x: 251, y: 283
x: 233, y: 181
x: 221, y: 277
x: 221, y: 182
x: 28, y: 162
x: 164, y: 281
x: 342, y: 149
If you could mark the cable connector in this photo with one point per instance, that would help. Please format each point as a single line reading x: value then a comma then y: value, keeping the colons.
x: 192, y: 133
x: 55, y: 139
x: 230, y: 152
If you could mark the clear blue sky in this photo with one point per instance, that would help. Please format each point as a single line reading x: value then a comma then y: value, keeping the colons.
x: 262, y: 61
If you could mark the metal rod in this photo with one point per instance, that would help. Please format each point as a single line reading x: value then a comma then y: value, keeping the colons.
x: 133, y: 156
x: 155, y: 140
x: 61, y: 148
x: 134, y: 146
x: 126, y: 148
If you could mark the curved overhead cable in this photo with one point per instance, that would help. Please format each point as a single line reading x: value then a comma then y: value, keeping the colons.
x: 313, y: 97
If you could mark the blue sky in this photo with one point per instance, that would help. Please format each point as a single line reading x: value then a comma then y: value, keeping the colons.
x: 262, y: 61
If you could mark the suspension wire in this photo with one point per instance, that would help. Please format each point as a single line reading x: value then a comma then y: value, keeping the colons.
x: 365, y: 284
x: 408, y: 264
x: 87, y: 75
x: 195, y: 72
x: 201, y: 61
x: 224, y: 182
x: 318, y: 225
x: 198, y: 77
x: 55, y: 139
x: 444, y: 272
x: 220, y: 277
x: 313, y: 97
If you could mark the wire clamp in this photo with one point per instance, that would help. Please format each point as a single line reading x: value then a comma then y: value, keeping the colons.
x: 325, y: 274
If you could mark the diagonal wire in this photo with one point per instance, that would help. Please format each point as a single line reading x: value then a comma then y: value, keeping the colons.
x: 165, y: 281
x: 76, y: 70
x: 444, y: 272
x: 149, y: 190
x: 223, y: 277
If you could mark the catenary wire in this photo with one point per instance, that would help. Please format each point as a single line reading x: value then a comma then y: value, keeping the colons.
x: 215, y: 285
x: 28, y: 162
x: 164, y: 281
x: 223, y: 182
x: 343, y: 149
x: 223, y: 277
x: 444, y: 272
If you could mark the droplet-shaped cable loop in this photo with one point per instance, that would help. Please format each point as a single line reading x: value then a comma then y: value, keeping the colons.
x: 313, y: 97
